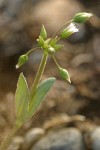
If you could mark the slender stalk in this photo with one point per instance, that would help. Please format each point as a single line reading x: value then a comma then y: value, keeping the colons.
x: 30, y: 51
x: 55, y: 61
x: 8, y: 139
x: 39, y: 73
x: 61, y: 28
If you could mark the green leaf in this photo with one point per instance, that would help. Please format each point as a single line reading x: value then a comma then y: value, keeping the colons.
x: 40, y: 94
x: 43, y: 32
x: 21, y: 99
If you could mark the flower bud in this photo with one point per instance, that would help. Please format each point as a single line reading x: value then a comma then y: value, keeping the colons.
x: 43, y: 32
x: 82, y: 17
x: 22, y: 60
x: 69, y: 31
x: 51, y: 50
x: 64, y: 74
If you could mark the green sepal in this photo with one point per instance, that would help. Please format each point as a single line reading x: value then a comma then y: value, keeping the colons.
x: 66, y: 33
x: 40, y: 94
x: 43, y: 32
x: 21, y: 99
x: 40, y: 41
x: 58, y: 46
x: 54, y: 41
x: 46, y: 43
x: 48, y: 40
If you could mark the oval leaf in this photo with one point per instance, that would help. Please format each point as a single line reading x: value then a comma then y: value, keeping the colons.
x: 41, y: 92
x: 21, y: 98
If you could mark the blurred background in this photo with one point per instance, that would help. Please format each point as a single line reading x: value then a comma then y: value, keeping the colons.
x: 20, y: 23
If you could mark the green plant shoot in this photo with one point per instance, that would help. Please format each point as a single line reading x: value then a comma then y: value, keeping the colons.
x: 28, y: 100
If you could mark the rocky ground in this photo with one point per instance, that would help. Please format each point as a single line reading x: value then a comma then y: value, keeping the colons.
x: 69, y: 118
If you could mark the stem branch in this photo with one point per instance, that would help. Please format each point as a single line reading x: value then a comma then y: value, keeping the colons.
x: 55, y: 61
x: 30, y: 51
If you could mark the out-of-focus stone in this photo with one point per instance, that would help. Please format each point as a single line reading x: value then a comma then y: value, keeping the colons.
x: 96, y: 46
x: 32, y: 136
x: 54, y: 13
x: 95, y: 137
x: 63, y: 139
x: 16, y: 143
x: 81, y: 59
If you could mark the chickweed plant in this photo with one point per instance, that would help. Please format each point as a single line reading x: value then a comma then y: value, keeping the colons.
x: 28, y: 100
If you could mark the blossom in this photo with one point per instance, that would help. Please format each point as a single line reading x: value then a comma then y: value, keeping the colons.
x: 69, y: 31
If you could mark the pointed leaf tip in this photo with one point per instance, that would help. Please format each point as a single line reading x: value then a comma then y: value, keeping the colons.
x: 21, y: 99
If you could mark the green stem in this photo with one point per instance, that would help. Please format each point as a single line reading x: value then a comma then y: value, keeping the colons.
x: 39, y: 73
x: 30, y: 51
x: 61, y: 28
x: 8, y: 139
x: 55, y: 61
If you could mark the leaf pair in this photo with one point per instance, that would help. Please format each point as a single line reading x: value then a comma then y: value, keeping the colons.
x: 25, y: 105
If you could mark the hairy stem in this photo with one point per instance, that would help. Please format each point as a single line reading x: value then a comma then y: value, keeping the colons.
x: 39, y: 74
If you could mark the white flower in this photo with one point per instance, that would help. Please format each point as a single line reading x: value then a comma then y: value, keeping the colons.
x: 72, y: 28
x: 69, y: 31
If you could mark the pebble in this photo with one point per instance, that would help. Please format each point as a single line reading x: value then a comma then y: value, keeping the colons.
x: 16, y: 143
x: 95, y: 137
x: 81, y: 59
x: 32, y: 136
x: 63, y: 139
